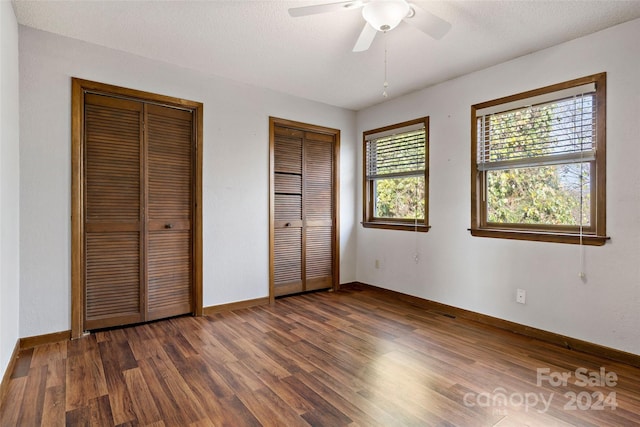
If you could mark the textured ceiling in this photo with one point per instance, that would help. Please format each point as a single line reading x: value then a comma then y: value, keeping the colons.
x: 258, y: 43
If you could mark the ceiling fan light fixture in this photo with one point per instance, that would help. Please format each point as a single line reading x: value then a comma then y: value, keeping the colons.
x: 385, y: 15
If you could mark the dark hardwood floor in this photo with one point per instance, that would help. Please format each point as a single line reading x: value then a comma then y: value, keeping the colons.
x: 354, y: 357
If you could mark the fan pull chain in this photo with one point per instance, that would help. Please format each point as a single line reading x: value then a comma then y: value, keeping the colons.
x: 386, y: 84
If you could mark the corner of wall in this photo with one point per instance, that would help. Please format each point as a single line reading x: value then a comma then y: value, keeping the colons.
x: 9, y: 186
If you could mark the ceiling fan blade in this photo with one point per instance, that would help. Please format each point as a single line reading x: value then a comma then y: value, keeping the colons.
x: 324, y: 8
x: 366, y: 38
x: 427, y: 22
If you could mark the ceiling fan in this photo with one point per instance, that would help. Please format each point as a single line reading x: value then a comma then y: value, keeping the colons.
x: 383, y: 16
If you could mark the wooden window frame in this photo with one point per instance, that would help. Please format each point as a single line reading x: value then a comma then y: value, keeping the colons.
x: 595, y: 234
x: 78, y: 89
x: 369, y: 220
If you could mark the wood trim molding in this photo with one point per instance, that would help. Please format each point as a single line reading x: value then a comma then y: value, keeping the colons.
x: 30, y: 342
x: 272, y: 141
x: 336, y: 211
x: 396, y: 226
x: 213, y: 309
x: 198, y: 111
x: 77, y: 209
x: 517, y: 328
x: 24, y: 344
x: 585, y: 239
x: 4, y: 385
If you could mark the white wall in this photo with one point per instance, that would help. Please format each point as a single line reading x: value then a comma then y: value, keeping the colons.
x: 235, y: 171
x: 9, y: 184
x: 479, y: 274
x: 482, y: 274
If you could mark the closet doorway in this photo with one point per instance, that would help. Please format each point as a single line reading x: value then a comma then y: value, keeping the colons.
x: 304, y: 221
x: 136, y: 206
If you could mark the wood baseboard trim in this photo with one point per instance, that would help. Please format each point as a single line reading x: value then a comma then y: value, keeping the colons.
x: 213, y: 309
x: 4, y: 385
x: 30, y: 342
x: 542, y: 335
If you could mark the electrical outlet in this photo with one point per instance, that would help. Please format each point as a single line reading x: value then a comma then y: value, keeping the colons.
x: 377, y: 263
x: 521, y: 296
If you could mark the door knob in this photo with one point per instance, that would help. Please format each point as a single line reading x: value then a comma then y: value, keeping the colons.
x: 288, y: 224
x: 168, y: 226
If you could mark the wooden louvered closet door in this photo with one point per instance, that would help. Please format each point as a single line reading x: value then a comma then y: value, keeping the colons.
x: 304, y: 219
x: 169, y: 178
x: 113, y: 212
x: 318, y: 207
x: 138, y: 172
x: 288, y: 275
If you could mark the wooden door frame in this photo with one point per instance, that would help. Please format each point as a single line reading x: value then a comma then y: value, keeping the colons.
x: 273, y: 122
x: 78, y: 89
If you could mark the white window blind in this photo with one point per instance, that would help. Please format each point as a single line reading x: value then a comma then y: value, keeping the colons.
x: 395, y: 155
x: 552, y: 132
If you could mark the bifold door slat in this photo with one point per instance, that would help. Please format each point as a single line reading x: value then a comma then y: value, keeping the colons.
x: 287, y: 207
x: 319, y: 252
x: 112, y: 274
x: 288, y: 183
x: 287, y: 155
x: 288, y: 261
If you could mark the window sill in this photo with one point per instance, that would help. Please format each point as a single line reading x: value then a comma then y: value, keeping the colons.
x: 387, y: 225
x: 538, y: 236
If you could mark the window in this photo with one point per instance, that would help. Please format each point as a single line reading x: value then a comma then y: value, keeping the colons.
x: 538, y: 168
x: 396, y: 171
